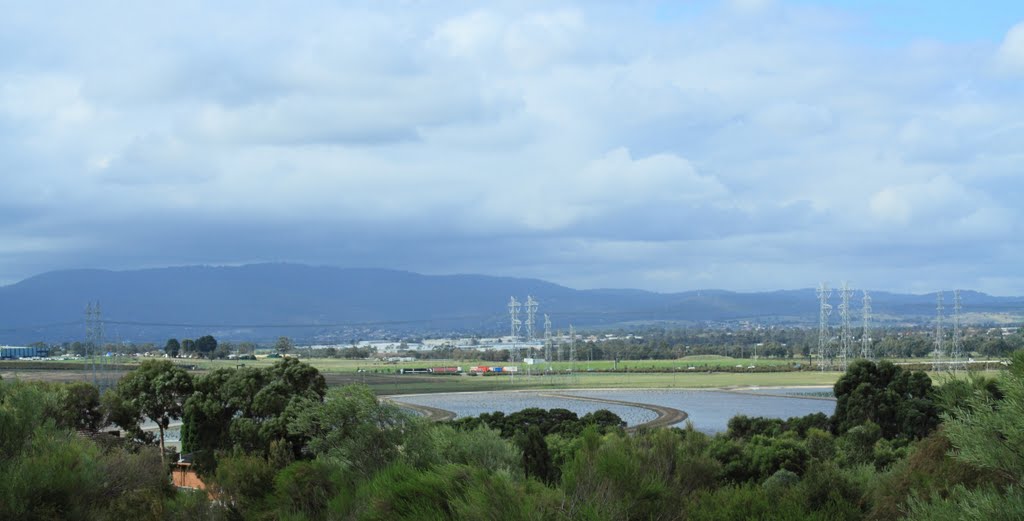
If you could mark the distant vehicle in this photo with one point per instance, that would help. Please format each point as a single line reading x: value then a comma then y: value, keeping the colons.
x: 430, y: 370
x: 414, y: 370
x: 446, y: 370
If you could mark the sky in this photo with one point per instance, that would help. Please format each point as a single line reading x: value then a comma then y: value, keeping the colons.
x: 741, y: 144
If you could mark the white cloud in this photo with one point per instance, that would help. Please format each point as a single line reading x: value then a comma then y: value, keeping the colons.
x: 1010, y: 55
x: 471, y: 35
x: 618, y: 177
x: 940, y: 207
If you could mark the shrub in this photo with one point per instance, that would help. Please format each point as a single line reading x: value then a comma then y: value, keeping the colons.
x: 305, y: 487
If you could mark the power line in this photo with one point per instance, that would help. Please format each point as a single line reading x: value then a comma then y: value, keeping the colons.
x: 36, y: 327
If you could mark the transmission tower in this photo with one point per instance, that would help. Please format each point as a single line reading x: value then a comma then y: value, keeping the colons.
x: 513, y: 311
x: 937, y: 365
x: 845, y: 334
x: 94, y: 341
x: 547, y: 338
x: 957, y: 351
x: 531, y: 314
x: 559, y: 347
x: 865, y: 334
x: 89, y: 344
x: 824, y: 310
x: 572, y: 348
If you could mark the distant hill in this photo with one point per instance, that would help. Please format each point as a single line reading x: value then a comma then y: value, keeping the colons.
x: 262, y: 301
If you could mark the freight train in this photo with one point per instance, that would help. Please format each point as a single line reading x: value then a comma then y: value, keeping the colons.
x: 431, y: 370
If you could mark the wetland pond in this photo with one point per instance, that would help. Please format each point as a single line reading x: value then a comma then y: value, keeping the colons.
x: 709, y: 410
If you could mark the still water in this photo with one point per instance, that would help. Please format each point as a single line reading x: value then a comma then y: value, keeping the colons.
x: 709, y: 411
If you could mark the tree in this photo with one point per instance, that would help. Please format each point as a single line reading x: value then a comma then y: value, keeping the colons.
x: 284, y: 345
x: 353, y: 426
x: 79, y: 407
x: 246, y: 348
x: 206, y: 345
x: 248, y: 408
x: 172, y: 347
x: 986, y: 434
x: 989, y: 434
x: 536, y: 457
x: 188, y: 346
x: 899, y: 402
x: 156, y: 390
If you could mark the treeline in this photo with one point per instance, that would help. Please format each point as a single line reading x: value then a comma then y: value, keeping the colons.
x: 781, y: 343
x: 275, y: 443
x: 207, y: 347
x: 203, y: 347
x: 634, y: 344
x: 657, y: 343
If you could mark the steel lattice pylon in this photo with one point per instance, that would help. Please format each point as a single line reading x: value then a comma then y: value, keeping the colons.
x: 865, y: 336
x: 824, y: 310
x: 939, y: 333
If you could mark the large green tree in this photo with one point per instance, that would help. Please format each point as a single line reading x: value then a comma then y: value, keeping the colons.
x: 79, y: 406
x: 248, y: 408
x: 206, y: 345
x: 284, y: 345
x: 354, y: 427
x: 900, y: 402
x: 172, y: 347
x: 536, y: 456
x: 157, y: 390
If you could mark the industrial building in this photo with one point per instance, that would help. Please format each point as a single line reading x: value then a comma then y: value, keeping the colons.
x: 15, y: 352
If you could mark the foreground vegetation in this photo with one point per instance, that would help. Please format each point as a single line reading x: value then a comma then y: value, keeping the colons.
x: 273, y: 442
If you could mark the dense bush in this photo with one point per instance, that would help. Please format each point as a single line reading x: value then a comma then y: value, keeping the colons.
x: 279, y: 450
x: 552, y: 421
x: 899, y: 402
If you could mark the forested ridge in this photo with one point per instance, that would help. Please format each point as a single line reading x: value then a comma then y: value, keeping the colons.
x: 276, y: 443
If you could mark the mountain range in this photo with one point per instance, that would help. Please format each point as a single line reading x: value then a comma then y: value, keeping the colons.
x: 263, y: 301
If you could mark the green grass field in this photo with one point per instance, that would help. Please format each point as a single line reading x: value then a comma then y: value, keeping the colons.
x: 383, y: 378
x: 413, y: 384
x: 333, y: 365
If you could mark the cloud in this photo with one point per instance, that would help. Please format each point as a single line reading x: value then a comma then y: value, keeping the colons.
x: 1010, y: 55
x: 743, y: 145
x: 940, y: 205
